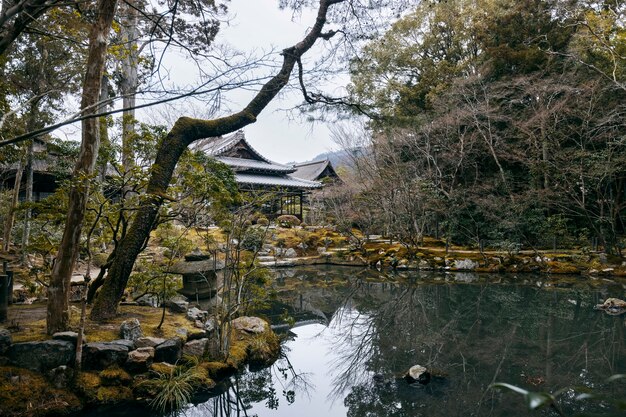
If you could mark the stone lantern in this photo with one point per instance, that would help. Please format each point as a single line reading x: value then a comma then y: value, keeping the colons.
x: 202, y: 275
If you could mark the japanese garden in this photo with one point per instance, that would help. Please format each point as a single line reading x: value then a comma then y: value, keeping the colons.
x: 349, y: 208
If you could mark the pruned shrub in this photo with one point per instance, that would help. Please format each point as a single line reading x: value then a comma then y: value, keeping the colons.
x: 287, y: 220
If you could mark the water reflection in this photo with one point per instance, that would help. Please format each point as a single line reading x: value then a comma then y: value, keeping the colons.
x: 543, y: 336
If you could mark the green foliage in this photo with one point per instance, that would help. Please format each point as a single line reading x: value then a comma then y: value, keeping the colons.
x: 496, y: 120
x: 174, y: 387
x: 253, y: 238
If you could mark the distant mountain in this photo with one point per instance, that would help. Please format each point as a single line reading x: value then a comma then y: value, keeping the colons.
x: 340, y: 158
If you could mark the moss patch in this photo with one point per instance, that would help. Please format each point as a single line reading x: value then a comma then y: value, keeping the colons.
x: 24, y: 393
x: 87, y: 385
x: 115, y: 376
x: 149, y: 317
x: 114, y: 395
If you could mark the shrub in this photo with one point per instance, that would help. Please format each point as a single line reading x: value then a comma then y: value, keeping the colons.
x: 288, y: 220
x: 262, y: 221
x: 253, y: 238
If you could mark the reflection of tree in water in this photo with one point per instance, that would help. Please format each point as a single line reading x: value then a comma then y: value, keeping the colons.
x: 478, y: 334
x: 268, y: 386
x: 538, y: 338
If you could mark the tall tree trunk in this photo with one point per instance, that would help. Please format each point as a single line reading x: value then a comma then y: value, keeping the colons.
x: 58, y: 291
x: 129, y: 81
x: 28, y: 198
x: 184, y: 132
x: 10, y: 220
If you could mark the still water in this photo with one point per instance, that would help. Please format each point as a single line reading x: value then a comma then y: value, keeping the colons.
x: 355, y: 336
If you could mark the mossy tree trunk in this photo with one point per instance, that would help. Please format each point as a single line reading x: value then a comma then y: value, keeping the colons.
x: 185, y: 132
x: 58, y: 291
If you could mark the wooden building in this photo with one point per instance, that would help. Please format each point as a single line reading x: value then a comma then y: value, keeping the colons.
x: 255, y: 173
x: 322, y: 171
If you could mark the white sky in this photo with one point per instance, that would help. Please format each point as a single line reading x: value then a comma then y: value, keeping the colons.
x: 259, y: 26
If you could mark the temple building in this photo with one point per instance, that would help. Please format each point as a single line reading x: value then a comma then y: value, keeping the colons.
x: 321, y: 171
x: 255, y: 173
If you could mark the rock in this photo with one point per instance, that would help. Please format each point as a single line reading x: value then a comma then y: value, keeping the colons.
x: 210, y: 325
x: 5, y: 341
x: 465, y: 264
x: 177, y: 305
x: 417, y: 373
x: 290, y: 253
x: 613, y: 306
x: 128, y: 343
x: 103, y: 355
x: 41, y: 356
x: 182, y: 333
x: 68, y: 337
x: 131, y: 329
x: 196, y: 334
x: 144, y: 342
x: 195, y: 313
x: 195, y: 348
x: 250, y: 324
x: 61, y: 377
x: 169, y: 351
x: 139, y: 360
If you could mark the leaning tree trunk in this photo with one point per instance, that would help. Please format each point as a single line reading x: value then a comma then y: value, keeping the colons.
x: 58, y: 291
x: 184, y: 133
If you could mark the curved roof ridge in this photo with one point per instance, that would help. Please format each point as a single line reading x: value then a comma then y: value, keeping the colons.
x: 301, y: 164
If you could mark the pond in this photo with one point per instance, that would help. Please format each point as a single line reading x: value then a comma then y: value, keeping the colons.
x: 358, y: 331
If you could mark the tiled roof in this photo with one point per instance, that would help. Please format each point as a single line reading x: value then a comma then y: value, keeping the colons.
x: 220, y: 145
x: 310, y: 170
x: 276, y: 181
x: 240, y: 163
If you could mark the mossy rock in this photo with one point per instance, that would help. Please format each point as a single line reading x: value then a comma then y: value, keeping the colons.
x: 204, y: 382
x: 24, y: 393
x: 217, y: 370
x: 237, y: 354
x: 114, y: 395
x: 263, y: 349
x: 556, y: 267
x: 87, y: 385
x: 144, y: 387
x: 115, y: 376
x: 162, y: 368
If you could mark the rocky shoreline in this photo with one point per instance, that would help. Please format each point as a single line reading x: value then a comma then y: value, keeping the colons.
x: 38, y: 378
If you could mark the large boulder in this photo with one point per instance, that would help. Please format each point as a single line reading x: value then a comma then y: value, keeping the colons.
x: 169, y: 351
x: 177, y: 305
x: 105, y: 354
x: 195, y: 348
x: 131, y: 329
x: 68, y: 336
x: 148, y: 342
x: 42, y: 356
x: 250, y: 324
x: 140, y: 359
x: 417, y: 373
x: 5, y: 341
